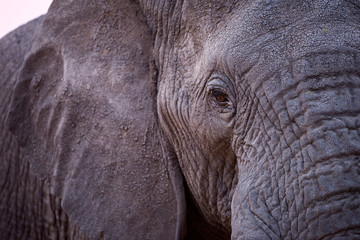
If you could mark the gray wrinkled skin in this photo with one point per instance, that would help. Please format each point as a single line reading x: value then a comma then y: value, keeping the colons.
x: 253, y: 105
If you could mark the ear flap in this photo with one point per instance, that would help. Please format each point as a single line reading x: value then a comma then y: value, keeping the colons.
x: 84, y: 110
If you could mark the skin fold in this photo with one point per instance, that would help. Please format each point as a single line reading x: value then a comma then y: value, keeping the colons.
x: 194, y: 119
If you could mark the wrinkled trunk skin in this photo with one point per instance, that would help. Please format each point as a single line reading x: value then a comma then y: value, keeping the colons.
x: 310, y: 176
x: 311, y: 162
x: 299, y: 164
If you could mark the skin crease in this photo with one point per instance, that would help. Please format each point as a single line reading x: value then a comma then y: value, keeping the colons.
x: 185, y: 119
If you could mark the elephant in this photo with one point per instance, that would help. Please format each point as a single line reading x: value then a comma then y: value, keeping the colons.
x: 179, y: 119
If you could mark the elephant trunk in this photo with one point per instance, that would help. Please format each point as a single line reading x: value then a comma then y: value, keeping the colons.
x: 303, y: 178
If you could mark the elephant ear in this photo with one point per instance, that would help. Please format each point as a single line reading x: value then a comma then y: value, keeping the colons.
x: 84, y: 110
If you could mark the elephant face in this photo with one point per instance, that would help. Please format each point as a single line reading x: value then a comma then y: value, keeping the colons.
x: 261, y: 105
x: 255, y: 103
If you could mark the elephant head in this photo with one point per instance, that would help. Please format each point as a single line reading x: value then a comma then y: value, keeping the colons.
x: 255, y: 103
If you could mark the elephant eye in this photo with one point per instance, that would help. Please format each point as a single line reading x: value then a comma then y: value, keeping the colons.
x: 220, y: 97
x: 221, y: 94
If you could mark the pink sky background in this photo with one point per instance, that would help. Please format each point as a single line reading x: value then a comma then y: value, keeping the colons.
x: 14, y: 13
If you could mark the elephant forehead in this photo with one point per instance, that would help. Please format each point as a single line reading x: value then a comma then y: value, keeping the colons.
x: 267, y: 37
